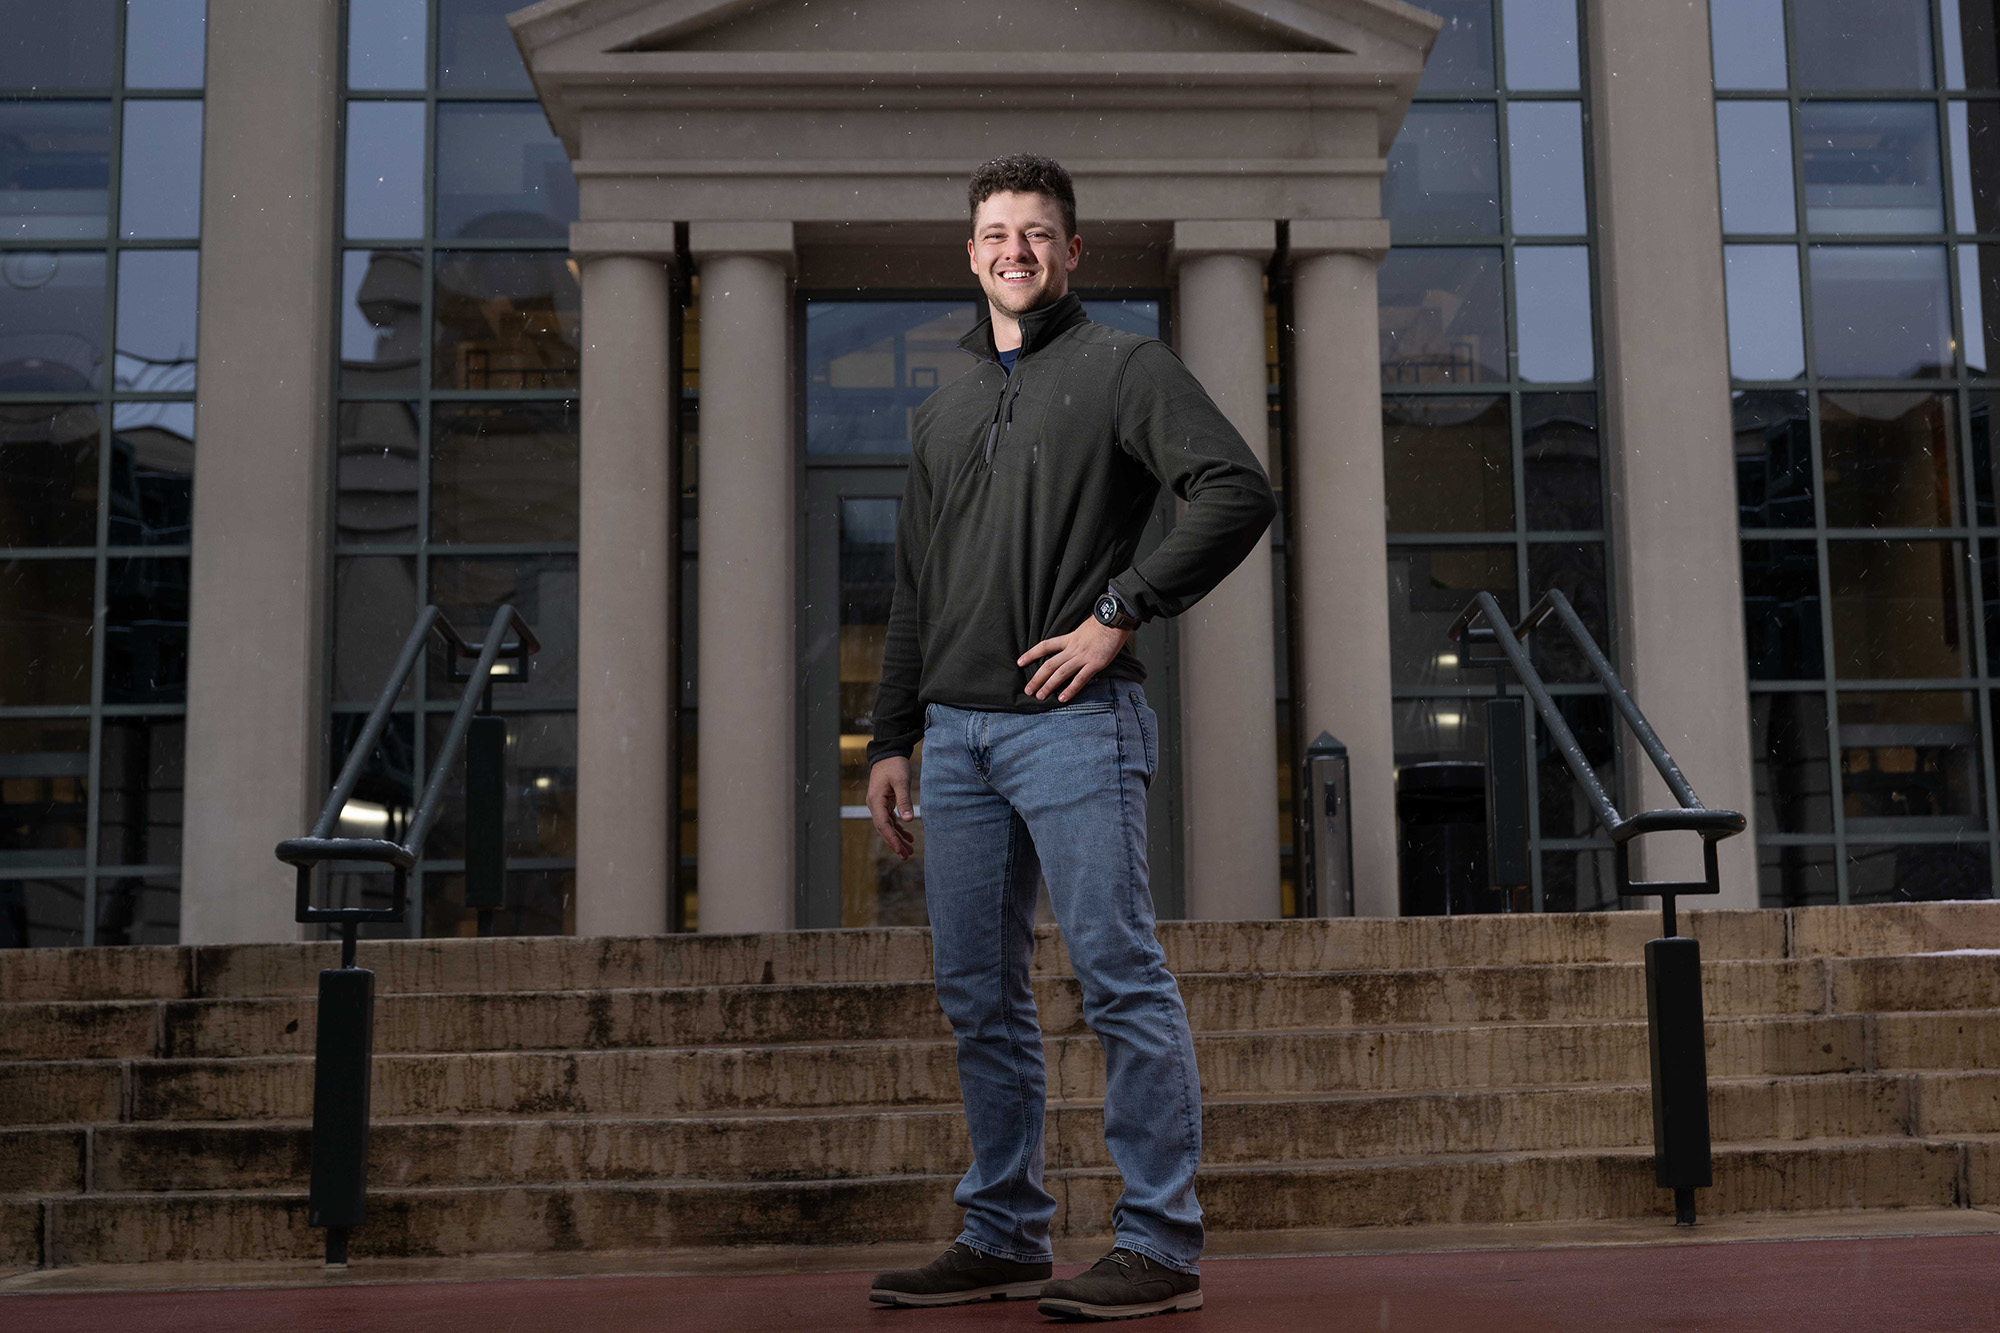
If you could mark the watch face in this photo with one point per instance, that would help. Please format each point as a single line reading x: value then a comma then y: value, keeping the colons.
x: 1107, y: 608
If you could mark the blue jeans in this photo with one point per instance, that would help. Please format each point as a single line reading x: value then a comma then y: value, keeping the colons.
x: 1064, y: 792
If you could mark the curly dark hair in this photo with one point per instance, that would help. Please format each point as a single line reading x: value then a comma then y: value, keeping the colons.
x: 1024, y: 173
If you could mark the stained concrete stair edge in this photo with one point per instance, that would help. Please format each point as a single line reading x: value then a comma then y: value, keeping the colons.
x: 887, y: 954
x: 247, y: 1226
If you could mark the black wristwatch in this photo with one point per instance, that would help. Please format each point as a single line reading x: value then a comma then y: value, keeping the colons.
x: 1112, y: 611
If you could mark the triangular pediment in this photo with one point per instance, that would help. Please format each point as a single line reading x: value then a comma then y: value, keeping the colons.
x: 800, y: 27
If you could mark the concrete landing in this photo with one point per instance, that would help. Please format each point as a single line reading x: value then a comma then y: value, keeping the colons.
x: 1905, y: 1282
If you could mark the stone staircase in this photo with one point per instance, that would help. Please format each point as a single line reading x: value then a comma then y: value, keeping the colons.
x: 543, y: 1095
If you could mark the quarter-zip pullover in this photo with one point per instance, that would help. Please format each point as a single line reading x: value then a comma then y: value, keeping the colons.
x: 1027, y: 495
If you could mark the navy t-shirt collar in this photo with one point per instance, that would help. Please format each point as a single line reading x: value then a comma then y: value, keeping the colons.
x: 1008, y: 358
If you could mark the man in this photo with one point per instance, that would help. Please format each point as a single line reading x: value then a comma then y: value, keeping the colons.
x: 1008, y: 655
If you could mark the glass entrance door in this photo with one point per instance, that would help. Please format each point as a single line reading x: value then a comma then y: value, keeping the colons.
x: 867, y: 366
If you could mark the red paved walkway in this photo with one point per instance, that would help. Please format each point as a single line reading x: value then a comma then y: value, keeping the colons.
x: 1890, y: 1286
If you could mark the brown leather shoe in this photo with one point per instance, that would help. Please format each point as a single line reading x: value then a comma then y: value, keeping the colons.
x: 1124, y: 1284
x: 960, y: 1276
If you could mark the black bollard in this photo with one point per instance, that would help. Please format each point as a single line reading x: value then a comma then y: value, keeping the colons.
x: 343, y: 1047
x: 1681, y: 1157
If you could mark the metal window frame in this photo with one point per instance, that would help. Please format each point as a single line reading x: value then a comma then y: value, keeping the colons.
x: 425, y: 397
x: 1521, y: 538
x: 90, y: 870
x: 1961, y: 386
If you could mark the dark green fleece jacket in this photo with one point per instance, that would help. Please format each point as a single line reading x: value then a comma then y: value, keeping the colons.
x: 1027, y: 495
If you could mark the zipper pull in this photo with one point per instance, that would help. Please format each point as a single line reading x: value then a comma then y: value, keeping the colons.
x: 992, y: 436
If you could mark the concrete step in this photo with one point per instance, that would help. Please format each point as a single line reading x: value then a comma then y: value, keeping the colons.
x: 694, y: 1080
x: 844, y: 1143
x: 244, y: 1226
x: 883, y: 1011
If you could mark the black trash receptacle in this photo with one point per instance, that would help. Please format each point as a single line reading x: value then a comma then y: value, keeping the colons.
x: 1441, y: 809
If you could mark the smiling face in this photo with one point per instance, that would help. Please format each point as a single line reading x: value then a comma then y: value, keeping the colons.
x: 1021, y: 255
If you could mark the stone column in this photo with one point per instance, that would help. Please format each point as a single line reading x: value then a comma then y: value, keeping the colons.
x: 748, y: 504
x: 627, y: 578
x: 255, y: 720
x: 1673, y: 484
x: 1228, y: 648
x: 1338, y: 541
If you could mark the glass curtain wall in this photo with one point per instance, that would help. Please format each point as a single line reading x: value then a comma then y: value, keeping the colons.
x: 1490, y: 425
x: 1860, y: 184
x: 100, y: 224
x: 456, y: 434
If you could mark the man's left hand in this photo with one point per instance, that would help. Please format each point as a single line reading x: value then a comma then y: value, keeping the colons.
x: 1078, y: 656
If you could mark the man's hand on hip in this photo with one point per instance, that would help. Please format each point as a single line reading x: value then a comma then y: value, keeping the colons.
x: 1074, y: 658
x: 889, y: 803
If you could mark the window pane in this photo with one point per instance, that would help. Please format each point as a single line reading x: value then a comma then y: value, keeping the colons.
x: 1577, y: 569
x: 1796, y: 876
x: 1545, y: 156
x: 140, y: 783
x: 1566, y: 811
x: 1449, y: 464
x: 1871, y: 167
x: 159, y: 186
x: 381, y: 319
x: 165, y: 41
x: 1541, y: 42
x: 44, y: 791
x: 1970, y: 57
x: 1748, y: 38
x: 1889, y: 459
x: 540, y: 783
x: 45, y: 614
x: 1440, y: 315
x: 1989, y: 581
x: 1140, y: 317
x: 158, y: 292
x: 1873, y: 44
x: 1781, y: 611
x: 1909, y: 762
x: 505, y: 320
x: 139, y: 910
x: 1428, y: 587
x: 1463, y: 56
x: 539, y: 902
x: 501, y: 173
x: 145, y: 631
x: 1559, y: 455
x: 1767, y: 338
x: 1880, y: 311
x: 1578, y: 881
x: 1899, y: 609
x: 475, y: 47
x: 374, y: 609
x: 385, y: 169
x: 66, y: 45
x: 1919, y: 872
x: 376, y: 499
x: 1788, y: 747
x: 504, y: 473
x: 544, y: 587
x: 1444, y: 173
x: 1774, y: 466
x: 152, y: 474
x: 55, y: 169
x: 1433, y: 731
x: 1975, y: 165
x: 383, y: 801
x: 385, y: 43
x: 1552, y: 313
x: 41, y: 913
x: 48, y: 475
x: 1755, y: 143
x: 51, y: 321
x: 869, y: 364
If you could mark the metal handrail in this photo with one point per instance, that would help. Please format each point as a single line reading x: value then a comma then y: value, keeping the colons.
x: 320, y: 845
x: 1682, y: 1155
x: 1691, y: 816
x: 343, y: 1048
